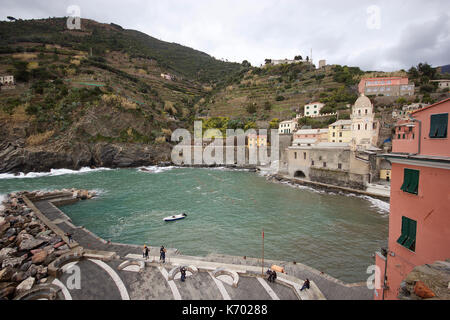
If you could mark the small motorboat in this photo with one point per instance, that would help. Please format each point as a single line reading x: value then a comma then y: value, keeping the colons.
x: 175, y: 218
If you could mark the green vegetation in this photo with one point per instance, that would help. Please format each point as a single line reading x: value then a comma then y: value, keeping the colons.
x: 171, y: 56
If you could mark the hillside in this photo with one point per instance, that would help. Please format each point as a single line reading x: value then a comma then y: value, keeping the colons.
x: 94, y: 97
x: 281, y: 91
x: 103, y: 38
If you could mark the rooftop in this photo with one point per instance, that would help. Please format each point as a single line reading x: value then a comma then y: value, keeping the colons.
x: 341, y: 123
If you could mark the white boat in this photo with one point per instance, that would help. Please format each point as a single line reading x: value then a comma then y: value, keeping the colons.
x: 175, y: 218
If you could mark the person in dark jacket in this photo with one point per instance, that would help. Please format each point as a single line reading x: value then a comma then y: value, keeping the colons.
x: 183, y: 274
x: 306, y: 285
x: 162, y: 254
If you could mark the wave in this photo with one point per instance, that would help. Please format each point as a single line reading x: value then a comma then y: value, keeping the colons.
x: 230, y: 169
x: 381, y: 206
x: 156, y: 169
x: 52, y: 173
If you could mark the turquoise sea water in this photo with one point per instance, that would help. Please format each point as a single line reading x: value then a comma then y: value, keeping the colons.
x: 227, y: 210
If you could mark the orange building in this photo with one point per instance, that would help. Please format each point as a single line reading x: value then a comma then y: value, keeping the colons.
x: 419, y: 221
x: 386, y: 86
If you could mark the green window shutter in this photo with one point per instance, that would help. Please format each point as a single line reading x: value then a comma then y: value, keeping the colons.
x: 408, y: 237
x: 406, y: 181
x: 438, y: 125
x: 404, y: 234
x: 411, y: 181
x: 410, y: 242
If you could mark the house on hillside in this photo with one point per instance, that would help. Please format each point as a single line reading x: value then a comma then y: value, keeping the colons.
x: 386, y: 86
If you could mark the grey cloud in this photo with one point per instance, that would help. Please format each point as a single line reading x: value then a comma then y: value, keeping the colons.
x: 411, y: 31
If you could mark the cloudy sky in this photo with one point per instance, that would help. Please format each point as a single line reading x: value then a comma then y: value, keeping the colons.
x: 374, y: 35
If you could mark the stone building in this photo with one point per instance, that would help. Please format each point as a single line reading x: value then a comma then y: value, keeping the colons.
x: 340, y: 131
x: 331, y: 163
x: 365, y: 128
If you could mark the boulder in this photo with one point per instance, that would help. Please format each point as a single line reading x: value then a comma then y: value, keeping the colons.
x: 6, y: 274
x: 4, y: 226
x: 32, y: 271
x: 39, y: 257
x: 7, y: 292
x: 59, y: 244
x: 10, y: 232
x: 25, y: 285
x: 29, y: 244
x: 13, y: 262
x: 7, y: 252
x: 24, y: 267
x: 18, y: 276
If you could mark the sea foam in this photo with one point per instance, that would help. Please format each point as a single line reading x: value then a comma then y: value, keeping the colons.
x: 52, y: 173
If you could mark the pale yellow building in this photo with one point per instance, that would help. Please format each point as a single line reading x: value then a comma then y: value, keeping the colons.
x: 340, y: 132
x: 385, y: 174
x: 257, y: 141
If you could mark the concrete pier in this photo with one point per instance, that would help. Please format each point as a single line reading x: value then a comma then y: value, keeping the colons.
x: 113, y: 271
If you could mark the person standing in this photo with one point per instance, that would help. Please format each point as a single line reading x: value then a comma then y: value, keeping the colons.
x: 69, y: 235
x: 145, y: 252
x: 162, y: 254
x: 183, y: 274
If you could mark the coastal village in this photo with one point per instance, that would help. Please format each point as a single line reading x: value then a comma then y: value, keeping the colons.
x: 390, y: 143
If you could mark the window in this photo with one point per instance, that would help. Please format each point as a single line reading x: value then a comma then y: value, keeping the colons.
x: 365, y: 126
x: 324, y: 164
x: 339, y: 166
x: 410, y: 181
x: 340, y: 134
x: 334, y: 134
x: 312, y: 162
x: 295, y: 155
x: 304, y: 155
x: 438, y: 125
x: 408, y: 236
x: 359, y: 127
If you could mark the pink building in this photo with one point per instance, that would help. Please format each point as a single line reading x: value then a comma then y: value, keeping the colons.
x: 419, y: 221
x: 317, y: 134
x: 386, y: 86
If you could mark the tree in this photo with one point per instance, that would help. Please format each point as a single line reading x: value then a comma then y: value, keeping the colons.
x: 274, y: 123
x: 246, y: 64
x: 11, y: 18
x: 251, y: 108
x: 267, y: 106
x: 268, y: 61
x: 297, y: 58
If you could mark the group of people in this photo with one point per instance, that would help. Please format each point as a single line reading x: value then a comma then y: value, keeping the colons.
x: 272, y: 275
x: 162, y: 253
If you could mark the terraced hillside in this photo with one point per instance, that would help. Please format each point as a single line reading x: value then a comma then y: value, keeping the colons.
x: 280, y: 91
x: 95, y: 96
